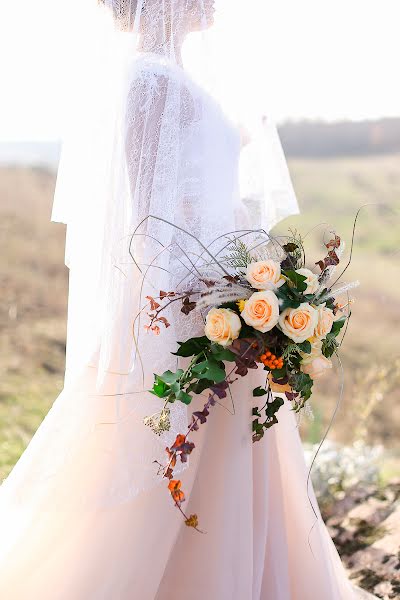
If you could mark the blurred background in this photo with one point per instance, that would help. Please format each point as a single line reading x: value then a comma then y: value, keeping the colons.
x: 334, y: 91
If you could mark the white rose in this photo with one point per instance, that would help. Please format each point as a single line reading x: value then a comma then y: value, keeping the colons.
x: 261, y: 311
x: 264, y: 275
x: 299, y: 323
x: 222, y: 326
x: 311, y: 280
x: 326, y: 319
x: 317, y: 368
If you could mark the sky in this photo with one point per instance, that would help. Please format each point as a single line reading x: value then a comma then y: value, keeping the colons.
x: 327, y: 59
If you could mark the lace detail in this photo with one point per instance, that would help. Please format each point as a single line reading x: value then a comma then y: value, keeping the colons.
x: 168, y: 16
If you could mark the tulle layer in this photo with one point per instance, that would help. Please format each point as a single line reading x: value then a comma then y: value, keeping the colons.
x: 251, y: 501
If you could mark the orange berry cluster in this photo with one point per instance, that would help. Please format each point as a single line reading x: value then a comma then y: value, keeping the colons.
x: 271, y: 361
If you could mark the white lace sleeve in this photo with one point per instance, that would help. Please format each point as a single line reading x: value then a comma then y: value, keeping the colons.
x: 145, y: 108
x: 159, y: 114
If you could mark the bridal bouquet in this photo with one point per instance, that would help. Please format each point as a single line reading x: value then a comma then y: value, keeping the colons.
x: 267, y: 311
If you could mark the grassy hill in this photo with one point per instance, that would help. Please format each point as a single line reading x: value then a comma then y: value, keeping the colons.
x: 34, y: 283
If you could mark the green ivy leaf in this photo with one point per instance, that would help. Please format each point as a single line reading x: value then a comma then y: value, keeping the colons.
x: 175, y: 388
x: 258, y: 428
x: 273, y: 407
x: 337, y: 325
x: 169, y: 377
x: 259, y: 391
x: 198, y: 387
x: 286, y: 298
x: 184, y: 397
x: 279, y: 373
x: 210, y: 369
x: 192, y: 347
x: 330, y: 302
x: 305, y: 347
x: 221, y: 353
x: 302, y: 383
x: 289, y: 304
x: 329, y: 345
x: 297, y: 279
x: 160, y: 388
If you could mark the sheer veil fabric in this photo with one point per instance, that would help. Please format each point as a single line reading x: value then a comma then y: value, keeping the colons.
x: 155, y: 133
x: 156, y: 146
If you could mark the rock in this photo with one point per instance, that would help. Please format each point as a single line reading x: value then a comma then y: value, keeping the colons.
x: 365, y: 526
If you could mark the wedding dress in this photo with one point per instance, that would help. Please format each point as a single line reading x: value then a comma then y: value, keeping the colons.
x: 83, y: 515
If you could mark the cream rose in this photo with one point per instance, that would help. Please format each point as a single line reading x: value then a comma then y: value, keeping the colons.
x: 317, y: 368
x: 316, y: 352
x: 299, y: 323
x: 264, y: 275
x: 311, y: 281
x: 261, y: 311
x: 325, y: 322
x: 222, y: 326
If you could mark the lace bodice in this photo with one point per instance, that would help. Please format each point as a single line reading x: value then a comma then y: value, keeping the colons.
x: 190, y: 167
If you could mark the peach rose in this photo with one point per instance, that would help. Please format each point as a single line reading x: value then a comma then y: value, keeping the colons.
x: 222, y: 326
x: 311, y: 281
x: 317, y: 368
x: 264, y: 275
x: 299, y: 323
x: 325, y: 322
x: 261, y: 311
x: 316, y: 352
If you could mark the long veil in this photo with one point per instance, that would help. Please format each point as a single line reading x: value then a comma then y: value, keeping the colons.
x: 144, y: 140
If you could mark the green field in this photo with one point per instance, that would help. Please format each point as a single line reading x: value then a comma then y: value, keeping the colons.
x: 34, y: 298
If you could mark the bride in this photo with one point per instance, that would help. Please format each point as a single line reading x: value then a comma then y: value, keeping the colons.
x: 83, y: 514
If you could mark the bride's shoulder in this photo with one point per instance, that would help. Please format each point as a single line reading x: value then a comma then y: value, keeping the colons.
x: 153, y: 79
x: 155, y: 72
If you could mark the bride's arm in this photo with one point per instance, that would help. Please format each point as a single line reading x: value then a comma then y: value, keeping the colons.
x: 160, y: 112
x: 144, y: 122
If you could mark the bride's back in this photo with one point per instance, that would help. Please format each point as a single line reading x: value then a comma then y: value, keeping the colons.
x: 181, y: 150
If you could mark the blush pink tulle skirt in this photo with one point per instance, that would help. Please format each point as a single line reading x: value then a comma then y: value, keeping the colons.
x: 261, y: 540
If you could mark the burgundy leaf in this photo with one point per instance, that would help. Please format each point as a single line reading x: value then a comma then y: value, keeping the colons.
x: 335, y: 243
x: 211, y: 400
x: 220, y: 389
x: 164, y: 321
x: 331, y: 260
x: 194, y: 426
x: 208, y: 282
x: 291, y: 396
x: 166, y: 295
x: 153, y: 304
x: 188, y: 306
x: 202, y: 415
x: 169, y: 473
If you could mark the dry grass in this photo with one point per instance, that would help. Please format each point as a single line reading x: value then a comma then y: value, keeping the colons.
x: 32, y: 308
